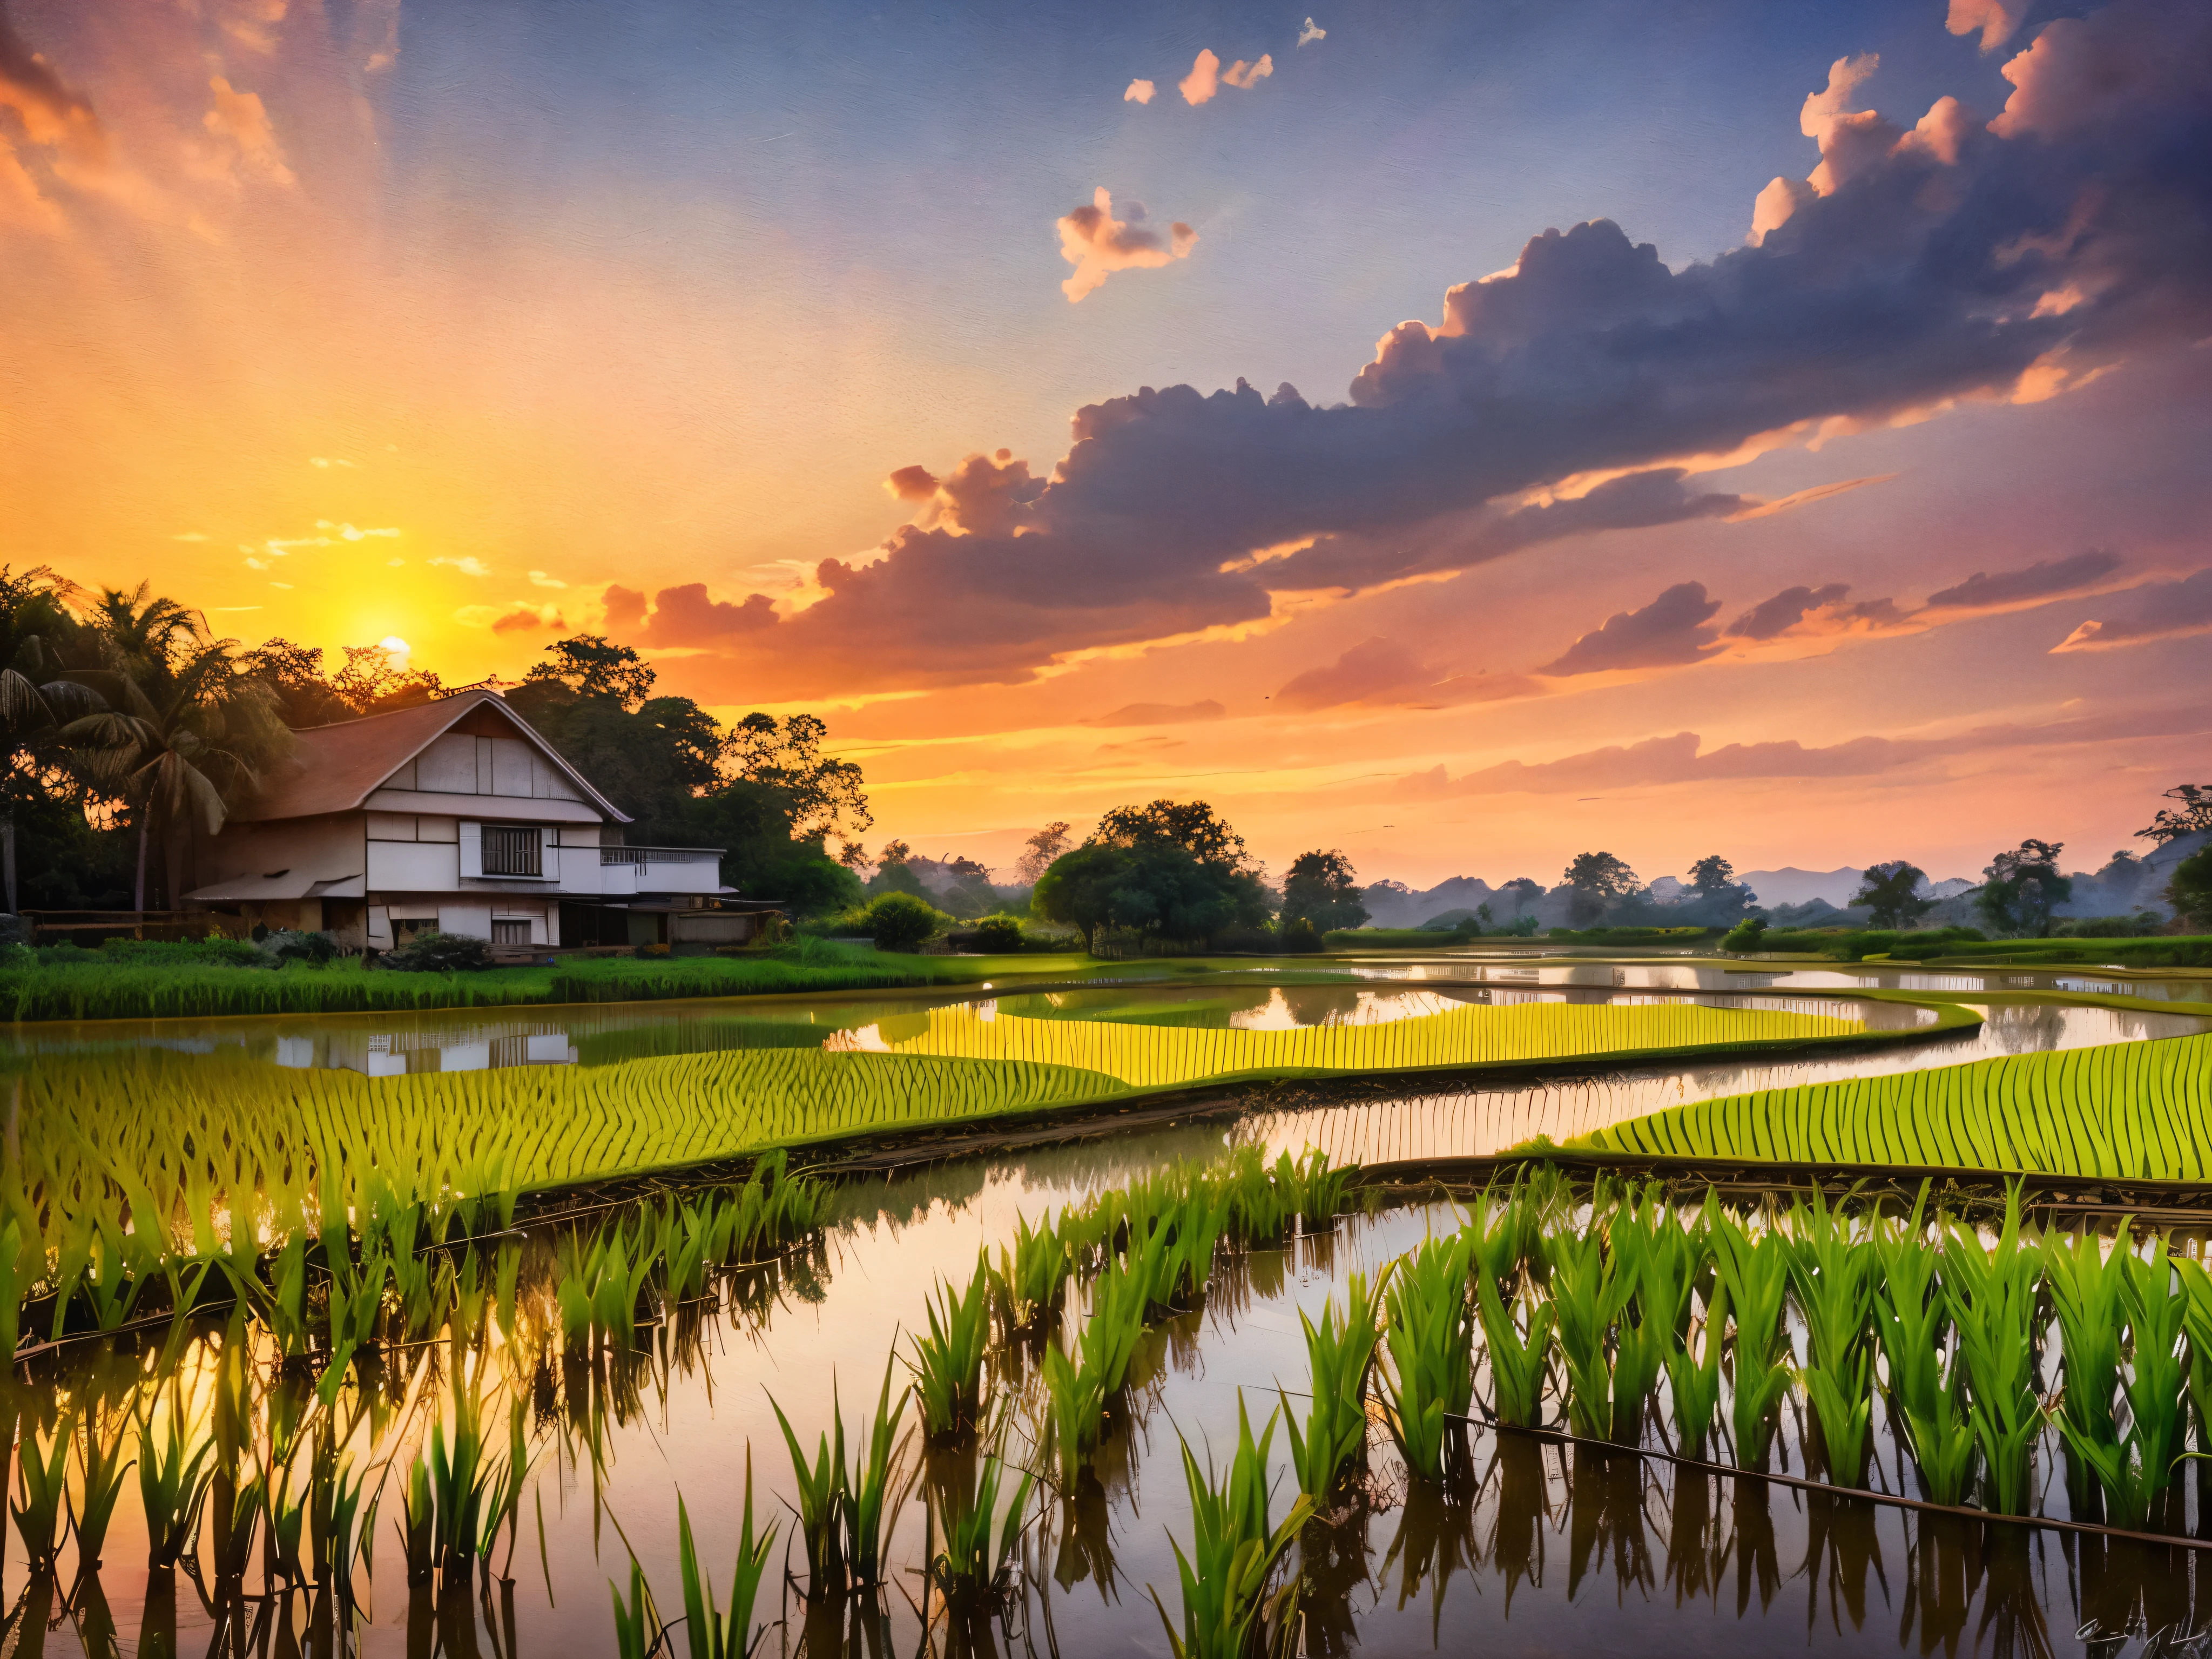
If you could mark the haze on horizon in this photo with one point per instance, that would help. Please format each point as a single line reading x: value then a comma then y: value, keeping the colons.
x: 1797, y: 453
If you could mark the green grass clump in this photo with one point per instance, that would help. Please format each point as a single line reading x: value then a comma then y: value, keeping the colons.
x: 2136, y: 1109
x: 948, y: 1362
x: 1339, y: 1354
x: 1430, y: 1342
x: 1228, y: 1610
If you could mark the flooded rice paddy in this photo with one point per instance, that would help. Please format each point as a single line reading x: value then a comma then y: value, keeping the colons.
x: 1540, y: 1549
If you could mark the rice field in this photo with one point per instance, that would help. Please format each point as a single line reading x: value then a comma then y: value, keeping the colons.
x: 2136, y: 1109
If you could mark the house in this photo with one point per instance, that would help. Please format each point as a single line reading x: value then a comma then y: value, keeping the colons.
x: 456, y: 816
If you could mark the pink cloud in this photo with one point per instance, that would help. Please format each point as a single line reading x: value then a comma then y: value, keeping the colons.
x: 241, y: 120
x: 1996, y: 20
x: 1140, y: 92
x: 1097, y: 243
x: 1204, y: 80
x: 1246, y: 76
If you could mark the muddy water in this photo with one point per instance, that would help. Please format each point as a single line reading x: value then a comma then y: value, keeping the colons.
x: 1552, y: 1552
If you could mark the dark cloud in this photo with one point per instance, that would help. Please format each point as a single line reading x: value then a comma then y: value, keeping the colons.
x: 1681, y: 758
x: 1673, y: 629
x: 1385, y: 673
x: 1160, y: 713
x: 1772, y: 617
x: 2156, y: 611
x: 2045, y: 579
x: 683, y: 615
x: 48, y: 111
x: 1917, y: 267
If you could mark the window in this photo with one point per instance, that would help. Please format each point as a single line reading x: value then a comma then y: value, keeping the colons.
x: 516, y: 932
x: 512, y: 850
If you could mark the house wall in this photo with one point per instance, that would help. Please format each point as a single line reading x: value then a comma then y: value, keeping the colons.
x: 328, y: 848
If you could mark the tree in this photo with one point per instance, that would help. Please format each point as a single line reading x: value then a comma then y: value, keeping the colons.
x: 35, y: 701
x: 183, y: 739
x: 2022, y: 888
x: 826, y: 794
x: 900, y: 921
x: 371, y: 683
x: 1525, y: 889
x: 1891, y: 892
x: 1158, y: 889
x: 1079, y: 889
x: 2190, y: 891
x: 1322, y: 889
x: 895, y: 872
x: 1711, y: 876
x: 589, y: 666
x: 1598, y: 879
x: 1193, y: 826
x: 1040, y: 850
x: 2194, y: 814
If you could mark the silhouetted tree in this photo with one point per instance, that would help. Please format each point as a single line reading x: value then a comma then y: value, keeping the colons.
x: 1598, y: 879
x: 1041, y: 849
x: 2022, y: 888
x: 1890, y: 892
x: 2194, y: 813
x: 1711, y: 875
x: 1323, y: 889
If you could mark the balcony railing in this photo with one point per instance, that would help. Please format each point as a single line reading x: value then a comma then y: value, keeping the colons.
x: 659, y: 854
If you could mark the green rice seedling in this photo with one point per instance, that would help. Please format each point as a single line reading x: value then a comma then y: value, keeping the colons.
x: 872, y: 1501
x: 680, y: 1251
x: 1927, y: 1401
x: 1495, y: 1232
x: 979, y: 1535
x: 1831, y: 1273
x: 1430, y: 1339
x: 1517, y: 1348
x: 1693, y: 1379
x: 1756, y: 1278
x: 349, y: 1537
x: 418, y: 1523
x: 1196, y: 1223
x: 1259, y: 1210
x: 2136, y: 1470
x: 1649, y: 1237
x: 462, y: 1476
x: 42, y: 1489
x: 822, y: 1495
x: 172, y: 1485
x: 287, y: 1520
x: 707, y: 1631
x: 1992, y: 1296
x: 1320, y: 1190
x: 17, y: 1275
x: 1340, y: 1355
x: 2196, y: 1321
x: 1075, y: 1406
x: 501, y: 1504
x: 102, y: 1465
x: 639, y: 1633
x: 948, y: 1363
x: 1027, y: 1282
x: 2086, y: 1287
x: 1227, y: 1612
x: 1121, y: 1297
x: 1591, y: 1288
x: 236, y: 1523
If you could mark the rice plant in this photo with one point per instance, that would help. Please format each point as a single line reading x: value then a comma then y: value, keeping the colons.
x: 709, y: 1633
x: 948, y: 1363
x: 1693, y: 1378
x: 1430, y: 1339
x: 978, y: 1532
x: 2087, y: 1290
x: 1229, y: 1612
x: 871, y: 1500
x: 639, y: 1633
x: 1756, y: 1278
x: 1992, y: 1296
x: 1341, y: 1354
x: 1831, y: 1272
x: 845, y: 1511
x: 42, y: 1492
x: 1027, y: 1284
x: 172, y: 1485
x: 1592, y: 1286
x: 102, y: 1465
x: 1517, y: 1345
x: 2135, y: 1469
x: 1927, y: 1397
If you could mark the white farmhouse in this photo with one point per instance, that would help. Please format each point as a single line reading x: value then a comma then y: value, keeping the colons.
x: 456, y: 816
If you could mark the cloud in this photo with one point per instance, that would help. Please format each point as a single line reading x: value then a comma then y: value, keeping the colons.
x: 188, y: 536
x: 524, y: 617
x: 1777, y: 616
x: 240, y: 120
x: 2044, y: 578
x: 2156, y: 611
x: 1140, y: 92
x: 1673, y: 629
x: 253, y: 24
x: 50, y: 116
x: 1310, y: 34
x: 1204, y: 80
x: 1248, y: 75
x: 1919, y: 281
x: 468, y: 565
x: 1383, y: 673
x: 328, y: 461
x: 539, y: 578
x: 983, y: 495
x: 1097, y: 243
x: 1681, y: 758
x: 352, y: 533
x: 1159, y: 714
x: 683, y: 615
x: 1996, y: 20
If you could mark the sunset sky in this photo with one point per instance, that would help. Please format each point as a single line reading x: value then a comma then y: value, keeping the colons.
x: 1801, y: 448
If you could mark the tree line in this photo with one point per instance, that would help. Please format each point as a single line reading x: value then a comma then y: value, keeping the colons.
x: 132, y: 727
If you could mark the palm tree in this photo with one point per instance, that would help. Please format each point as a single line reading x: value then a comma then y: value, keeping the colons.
x: 142, y: 635
x: 184, y: 736
x: 35, y: 700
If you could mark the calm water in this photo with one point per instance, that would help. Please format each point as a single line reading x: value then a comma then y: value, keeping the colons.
x: 1554, y: 1554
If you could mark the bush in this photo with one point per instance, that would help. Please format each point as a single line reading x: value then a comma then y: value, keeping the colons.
x: 999, y: 934
x: 1745, y: 934
x: 2135, y: 926
x: 1298, y: 938
x: 442, y: 953
x: 286, y: 944
x: 900, y: 921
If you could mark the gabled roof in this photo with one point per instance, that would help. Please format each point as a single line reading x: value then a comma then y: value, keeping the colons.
x: 334, y: 769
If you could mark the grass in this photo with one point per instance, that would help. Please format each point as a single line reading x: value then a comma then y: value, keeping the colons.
x: 2136, y: 1109
x: 948, y: 1362
x: 1967, y: 946
x: 1228, y: 1611
x: 99, y: 990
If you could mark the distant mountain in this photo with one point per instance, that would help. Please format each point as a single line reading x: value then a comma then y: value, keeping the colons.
x: 1790, y: 886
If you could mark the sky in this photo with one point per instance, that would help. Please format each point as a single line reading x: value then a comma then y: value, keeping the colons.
x: 1461, y: 434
